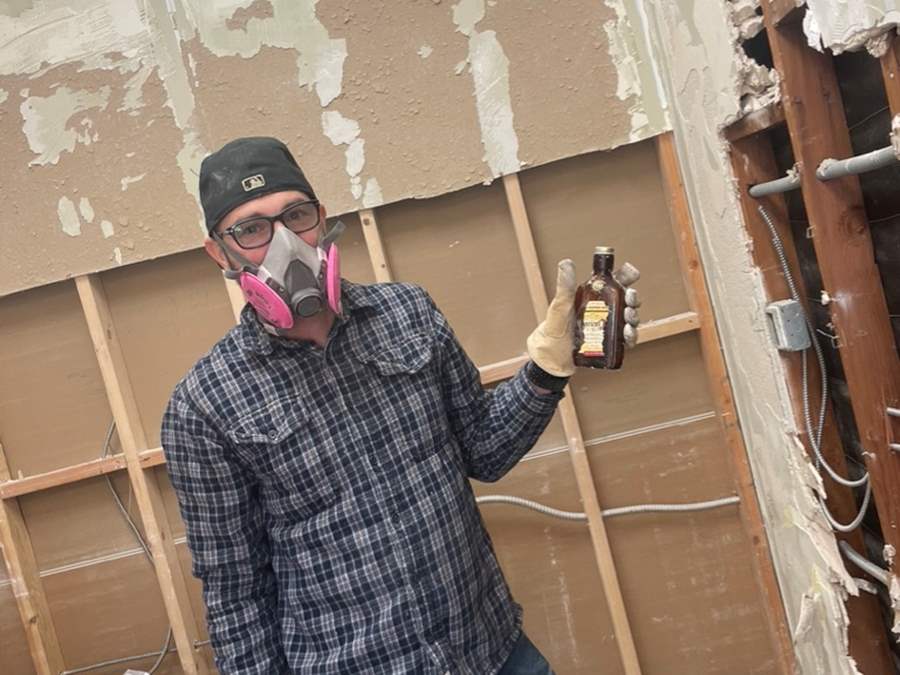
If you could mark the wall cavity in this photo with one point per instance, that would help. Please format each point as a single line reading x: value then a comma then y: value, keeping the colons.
x: 697, y: 43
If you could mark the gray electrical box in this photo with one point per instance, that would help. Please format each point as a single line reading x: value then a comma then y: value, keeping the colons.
x: 788, y: 325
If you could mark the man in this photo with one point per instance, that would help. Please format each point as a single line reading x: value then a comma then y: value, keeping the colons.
x: 321, y: 452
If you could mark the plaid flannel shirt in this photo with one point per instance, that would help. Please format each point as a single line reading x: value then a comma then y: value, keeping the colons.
x: 326, y: 497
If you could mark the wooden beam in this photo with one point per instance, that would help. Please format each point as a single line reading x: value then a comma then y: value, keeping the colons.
x: 586, y: 487
x: 756, y: 122
x: 374, y: 244
x: 720, y: 387
x: 73, y: 474
x: 843, y: 245
x: 25, y: 579
x: 147, y: 492
x: 784, y: 12
x: 890, y: 72
x: 753, y: 161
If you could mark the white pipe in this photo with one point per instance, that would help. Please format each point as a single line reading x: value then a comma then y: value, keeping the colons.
x: 830, y: 169
x: 893, y: 412
x: 775, y: 187
x: 865, y: 564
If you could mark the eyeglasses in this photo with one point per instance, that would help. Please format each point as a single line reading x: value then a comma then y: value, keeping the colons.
x: 257, y: 231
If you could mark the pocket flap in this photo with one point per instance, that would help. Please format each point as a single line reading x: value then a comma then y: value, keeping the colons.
x: 408, y: 356
x: 267, y: 426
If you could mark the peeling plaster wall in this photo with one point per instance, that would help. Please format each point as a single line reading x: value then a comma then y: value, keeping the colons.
x: 847, y: 25
x: 695, y: 40
x: 118, y: 101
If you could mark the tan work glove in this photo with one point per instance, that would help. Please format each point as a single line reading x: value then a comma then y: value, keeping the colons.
x: 550, y: 345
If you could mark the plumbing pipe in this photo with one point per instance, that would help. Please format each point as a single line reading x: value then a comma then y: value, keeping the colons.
x: 830, y: 169
x: 777, y: 186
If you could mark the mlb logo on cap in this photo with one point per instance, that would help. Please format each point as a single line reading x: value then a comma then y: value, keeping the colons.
x: 253, y: 182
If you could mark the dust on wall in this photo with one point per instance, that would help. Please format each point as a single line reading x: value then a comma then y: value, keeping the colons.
x: 107, y: 107
x: 697, y: 45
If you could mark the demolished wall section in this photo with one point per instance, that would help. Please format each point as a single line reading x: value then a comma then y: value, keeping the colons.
x: 700, y: 55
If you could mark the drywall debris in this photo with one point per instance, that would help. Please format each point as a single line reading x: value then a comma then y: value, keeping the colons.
x: 757, y: 85
x: 3, y: 95
x: 106, y: 228
x: 878, y: 46
x: 746, y: 16
x: 889, y: 552
x: 48, y: 125
x: 425, y: 51
x: 490, y: 74
x: 847, y: 25
x: 68, y: 217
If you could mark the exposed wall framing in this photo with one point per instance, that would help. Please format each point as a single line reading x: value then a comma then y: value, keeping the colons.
x: 817, y: 129
x: 674, y: 338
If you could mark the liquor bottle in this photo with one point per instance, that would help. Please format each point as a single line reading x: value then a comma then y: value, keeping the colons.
x: 600, y: 316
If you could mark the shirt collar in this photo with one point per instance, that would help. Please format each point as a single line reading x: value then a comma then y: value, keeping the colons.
x: 356, y: 299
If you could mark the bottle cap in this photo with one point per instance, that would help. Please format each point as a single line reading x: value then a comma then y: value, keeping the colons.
x: 605, y: 250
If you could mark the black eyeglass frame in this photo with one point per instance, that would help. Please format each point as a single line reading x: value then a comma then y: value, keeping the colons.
x: 271, y: 222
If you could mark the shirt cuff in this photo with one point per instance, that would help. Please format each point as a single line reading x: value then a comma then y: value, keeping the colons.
x: 532, y: 401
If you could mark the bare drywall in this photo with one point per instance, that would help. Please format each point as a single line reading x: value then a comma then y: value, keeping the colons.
x: 696, y: 46
x: 107, y: 107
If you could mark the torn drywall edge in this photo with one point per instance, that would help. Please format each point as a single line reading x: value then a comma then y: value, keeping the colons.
x: 696, y: 49
x: 847, y: 25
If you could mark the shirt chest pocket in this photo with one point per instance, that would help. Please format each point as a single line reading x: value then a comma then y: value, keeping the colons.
x: 407, y: 392
x: 292, y: 460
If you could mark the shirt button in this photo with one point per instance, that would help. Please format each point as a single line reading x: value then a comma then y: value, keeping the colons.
x: 273, y: 434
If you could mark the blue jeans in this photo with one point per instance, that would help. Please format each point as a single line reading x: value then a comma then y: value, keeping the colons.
x: 525, y: 660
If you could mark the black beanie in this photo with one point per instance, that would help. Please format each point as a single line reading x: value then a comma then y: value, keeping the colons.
x: 244, y: 169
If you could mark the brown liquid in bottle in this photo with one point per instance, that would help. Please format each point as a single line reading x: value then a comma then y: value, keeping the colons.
x: 600, y: 316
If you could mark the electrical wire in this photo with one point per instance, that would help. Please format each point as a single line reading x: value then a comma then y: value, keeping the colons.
x: 815, y: 435
x: 607, y: 513
x: 865, y: 564
x: 161, y: 654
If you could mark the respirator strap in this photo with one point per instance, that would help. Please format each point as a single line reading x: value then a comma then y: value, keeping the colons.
x: 336, y: 231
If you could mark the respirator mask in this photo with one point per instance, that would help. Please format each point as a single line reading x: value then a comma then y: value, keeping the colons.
x: 294, y: 280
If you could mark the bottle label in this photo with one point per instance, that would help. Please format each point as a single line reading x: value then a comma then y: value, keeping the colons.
x: 593, y: 326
